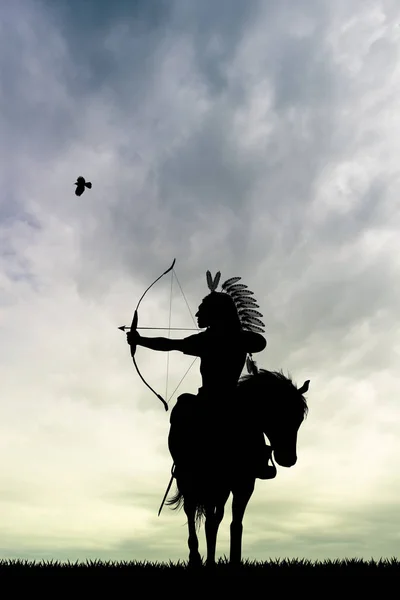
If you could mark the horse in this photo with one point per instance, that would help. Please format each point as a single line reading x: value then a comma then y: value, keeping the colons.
x: 218, y: 452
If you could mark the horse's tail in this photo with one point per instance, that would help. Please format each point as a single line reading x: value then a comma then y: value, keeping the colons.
x: 176, y: 503
x: 200, y: 513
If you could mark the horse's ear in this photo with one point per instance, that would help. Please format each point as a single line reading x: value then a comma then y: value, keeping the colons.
x: 304, y: 387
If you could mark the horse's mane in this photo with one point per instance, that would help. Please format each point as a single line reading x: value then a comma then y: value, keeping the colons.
x: 265, y: 378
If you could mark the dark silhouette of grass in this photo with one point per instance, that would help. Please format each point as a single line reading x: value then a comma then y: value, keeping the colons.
x: 111, y: 580
x: 250, y: 568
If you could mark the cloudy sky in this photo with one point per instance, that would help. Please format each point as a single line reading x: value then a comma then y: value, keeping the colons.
x: 253, y: 137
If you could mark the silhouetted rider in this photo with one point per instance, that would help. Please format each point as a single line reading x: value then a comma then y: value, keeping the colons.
x: 232, y: 333
x: 222, y: 348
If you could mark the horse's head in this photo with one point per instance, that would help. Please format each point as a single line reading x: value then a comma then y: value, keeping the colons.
x: 286, y: 414
x: 281, y: 410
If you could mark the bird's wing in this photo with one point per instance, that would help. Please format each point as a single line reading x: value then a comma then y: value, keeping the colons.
x: 79, y: 191
x: 88, y: 185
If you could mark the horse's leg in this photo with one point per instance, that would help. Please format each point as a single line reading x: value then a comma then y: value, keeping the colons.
x: 214, y: 516
x: 193, y: 542
x: 210, y: 527
x: 242, y: 493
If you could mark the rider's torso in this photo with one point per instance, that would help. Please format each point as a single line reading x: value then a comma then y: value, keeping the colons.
x: 223, y: 356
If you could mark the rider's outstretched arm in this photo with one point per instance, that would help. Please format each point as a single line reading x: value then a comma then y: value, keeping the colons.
x: 159, y: 343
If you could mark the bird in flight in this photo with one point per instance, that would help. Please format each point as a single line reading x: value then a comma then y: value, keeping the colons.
x: 80, y: 186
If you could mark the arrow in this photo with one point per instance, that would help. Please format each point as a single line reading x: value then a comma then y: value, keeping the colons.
x: 126, y: 327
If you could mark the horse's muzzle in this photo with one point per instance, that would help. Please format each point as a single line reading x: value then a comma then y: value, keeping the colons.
x: 285, y: 460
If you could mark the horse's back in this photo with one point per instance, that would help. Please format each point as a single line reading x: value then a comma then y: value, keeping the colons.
x: 215, y: 436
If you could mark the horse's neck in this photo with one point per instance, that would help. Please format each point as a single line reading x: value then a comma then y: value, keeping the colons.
x: 258, y: 403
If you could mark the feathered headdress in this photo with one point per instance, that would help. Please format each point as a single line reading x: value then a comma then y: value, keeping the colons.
x: 245, y: 304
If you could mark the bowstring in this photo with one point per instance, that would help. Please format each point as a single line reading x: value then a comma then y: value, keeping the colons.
x: 187, y: 371
x: 195, y: 324
x: 169, y: 331
x: 184, y: 297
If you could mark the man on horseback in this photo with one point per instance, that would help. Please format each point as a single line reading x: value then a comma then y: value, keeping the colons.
x: 232, y: 333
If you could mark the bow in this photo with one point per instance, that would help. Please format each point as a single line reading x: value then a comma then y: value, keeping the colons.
x: 134, y: 327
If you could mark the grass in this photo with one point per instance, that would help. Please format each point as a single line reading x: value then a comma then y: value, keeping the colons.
x: 250, y: 568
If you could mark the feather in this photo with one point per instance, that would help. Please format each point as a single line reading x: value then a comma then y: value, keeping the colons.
x: 216, y: 281
x: 240, y: 294
x: 253, y: 328
x: 251, y: 366
x: 209, y: 280
x: 239, y: 299
x: 229, y: 282
x: 250, y: 312
x: 242, y: 304
x: 236, y: 287
x: 247, y: 300
x: 252, y: 320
